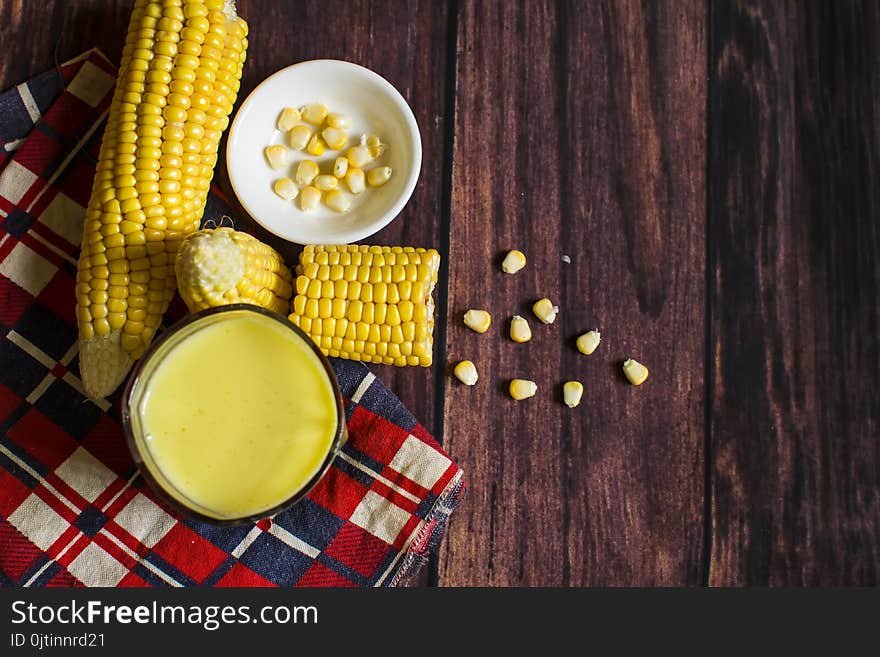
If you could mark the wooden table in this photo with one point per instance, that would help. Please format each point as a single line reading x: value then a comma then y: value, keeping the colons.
x: 712, y: 172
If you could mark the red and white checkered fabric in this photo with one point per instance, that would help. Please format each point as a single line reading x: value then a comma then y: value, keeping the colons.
x: 73, y: 510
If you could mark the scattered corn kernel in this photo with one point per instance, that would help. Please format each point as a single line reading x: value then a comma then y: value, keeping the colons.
x: 513, y: 262
x: 588, y: 342
x: 572, y: 391
x: 375, y: 145
x: 522, y: 389
x: 276, y: 156
x: 314, y: 113
x: 340, y: 167
x: 519, y: 329
x: 306, y: 172
x: 466, y: 372
x: 288, y: 118
x: 355, y: 180
x: 358, y: 156
x: 309, y: 197
x: 285, y: 188
x: 334, y: 138
x: 635, y: 372
x: 477, y: 320
x: 545, y: 310
x: 315, y: 146
x: 337, y: 120
x: 325, y: 182
x: 378, y: 176
x: 298, y: 137
x: 337, y: 200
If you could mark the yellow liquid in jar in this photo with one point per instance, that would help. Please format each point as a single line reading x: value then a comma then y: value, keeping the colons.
x: 239, y: 416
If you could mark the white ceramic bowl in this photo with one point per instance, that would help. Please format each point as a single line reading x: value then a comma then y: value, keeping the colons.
x: 374, y: 106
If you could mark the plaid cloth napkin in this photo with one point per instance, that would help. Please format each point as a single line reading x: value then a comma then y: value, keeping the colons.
x: 73, y: 510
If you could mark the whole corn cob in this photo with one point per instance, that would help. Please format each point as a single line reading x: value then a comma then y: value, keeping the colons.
x: 216, y: 267
x: 178, y: 80
x: 369, y: 303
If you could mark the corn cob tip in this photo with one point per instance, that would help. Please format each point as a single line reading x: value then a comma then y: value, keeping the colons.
x: 103, y: 364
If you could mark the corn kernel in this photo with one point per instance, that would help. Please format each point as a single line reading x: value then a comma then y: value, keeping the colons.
x: 635, y: 372
x: 522, y: 389
x: 572, y: 391
x: 315, y: 146
x: 285, y: 188
x: 355, y: 180
x: 298, y: 137
x: 588, y: 342
x: 276, y: 156
x: 545, y: 310
x: 314, y: 113
x: 513, y: 262
x: 325, y: 182
x: 288, y: 118
x: 519, y: 329
x: 378, y: 176
x: 375, y: 145
x: 340, y: 167
x: 337, y: 200
x: 309, y: 197
x: 358, y: 156
x: 340, y: 121
x: 477, y: 320
x: 334, y: 138
x: 306, y: 172
x: 466, y: 372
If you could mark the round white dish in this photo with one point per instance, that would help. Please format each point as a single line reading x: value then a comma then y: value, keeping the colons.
x: 374, y: 106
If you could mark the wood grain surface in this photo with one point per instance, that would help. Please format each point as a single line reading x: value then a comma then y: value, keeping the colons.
x: 710, y: 168
x: 579, y: 131
x: 793, y: 172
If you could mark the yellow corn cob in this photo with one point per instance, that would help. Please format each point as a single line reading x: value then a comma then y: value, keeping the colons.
x: 223, y: 266
x: 369, y: 303
x: 178, y: 80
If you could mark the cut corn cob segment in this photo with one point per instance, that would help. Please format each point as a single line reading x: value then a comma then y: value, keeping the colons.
x: 217, y: 267
x: 368, y: 303
x: 178, y: 79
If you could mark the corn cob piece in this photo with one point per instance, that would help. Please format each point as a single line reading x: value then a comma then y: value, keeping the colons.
x: 178, y: 80
x: 217, y: 267
x: 368, y: 303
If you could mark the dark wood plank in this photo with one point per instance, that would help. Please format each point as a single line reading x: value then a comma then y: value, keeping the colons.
x: 580, y: 131
x: 795, y: 421
x: 35, y: 32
